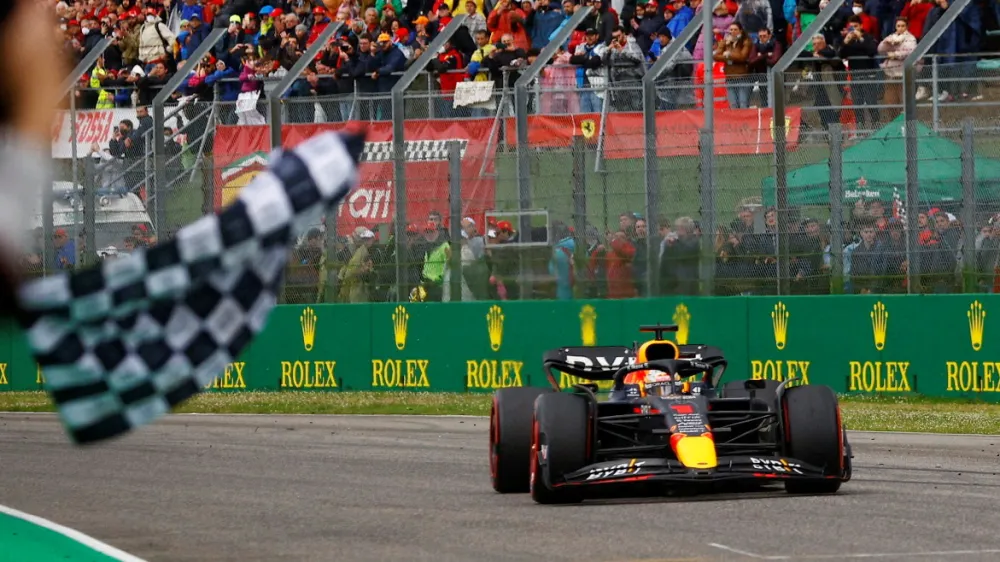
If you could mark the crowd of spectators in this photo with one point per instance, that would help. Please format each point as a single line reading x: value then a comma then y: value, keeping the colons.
x: 152, y: 40
x: 379, y: 39
x: 616, y: 264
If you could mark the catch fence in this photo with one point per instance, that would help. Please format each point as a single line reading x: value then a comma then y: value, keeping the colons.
x: 588, y: 201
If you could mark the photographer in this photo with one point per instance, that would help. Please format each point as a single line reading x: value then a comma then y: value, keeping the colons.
x: 506, y: 54
x: 508, y: 19
x: 625, y: 59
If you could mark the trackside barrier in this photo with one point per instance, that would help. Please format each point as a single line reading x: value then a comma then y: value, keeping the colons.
x: 935, y: 345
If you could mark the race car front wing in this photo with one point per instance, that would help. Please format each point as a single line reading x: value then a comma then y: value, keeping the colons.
x: 660, y: 469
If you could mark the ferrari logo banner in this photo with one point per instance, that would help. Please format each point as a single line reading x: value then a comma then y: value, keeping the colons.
x: 737, y: 131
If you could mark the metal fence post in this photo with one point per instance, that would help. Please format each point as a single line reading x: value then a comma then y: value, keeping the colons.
x: 75, y: 156
x: 68, y: 87
x: 836, y: 208
x: 969, y: 204
x: 777, y: 80
x: 706, y: 145
x: 521, y: 120
x: 708, y: 62
x: 651, y: 160
x: 455, y: 224
x: 399, y: 141
x: 910, y: 127
x: 89, y: 212
x: 580, y: 201
x: 276, y: 93
x: 159, y: 123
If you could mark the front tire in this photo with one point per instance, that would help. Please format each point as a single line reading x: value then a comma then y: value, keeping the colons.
x: 510, y: 438
x: 814, y: 434
x: 559, y: 446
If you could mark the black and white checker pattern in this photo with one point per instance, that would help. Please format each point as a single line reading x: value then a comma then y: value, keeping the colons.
x: 414, y: 151
x: 124, y: 342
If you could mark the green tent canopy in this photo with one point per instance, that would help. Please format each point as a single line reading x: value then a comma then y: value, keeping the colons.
x: 876, y: 168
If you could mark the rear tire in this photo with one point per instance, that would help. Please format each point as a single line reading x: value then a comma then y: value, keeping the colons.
x: 814, y: 435
x: 510, y: 438
x: 560, y: 426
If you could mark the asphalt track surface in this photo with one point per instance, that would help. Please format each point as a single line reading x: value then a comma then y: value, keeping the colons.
x: 410, y: 488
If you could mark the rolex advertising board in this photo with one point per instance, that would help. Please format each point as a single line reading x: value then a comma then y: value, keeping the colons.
x: 852, y: 344
x: 312, y: 347
x: 480, y: 346
x: 937, y: 345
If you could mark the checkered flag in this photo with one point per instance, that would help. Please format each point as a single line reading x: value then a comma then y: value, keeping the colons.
x: 124, y: 342
x: 898, y: 209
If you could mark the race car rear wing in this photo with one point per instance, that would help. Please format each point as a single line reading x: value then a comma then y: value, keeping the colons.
x: 601, y: 363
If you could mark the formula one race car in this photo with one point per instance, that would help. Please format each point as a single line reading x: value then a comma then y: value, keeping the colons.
x: 666, y: 421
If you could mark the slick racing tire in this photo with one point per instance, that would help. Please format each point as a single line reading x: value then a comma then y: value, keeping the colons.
x: 814, y: 434
x: 559, y: 446
x: 510, y: 438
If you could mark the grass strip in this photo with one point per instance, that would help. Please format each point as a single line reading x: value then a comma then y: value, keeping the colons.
x: 863, y: 413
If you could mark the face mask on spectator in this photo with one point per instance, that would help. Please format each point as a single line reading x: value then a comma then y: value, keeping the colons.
x: 857, y: 11
x: 86, y: 31
x: 150, y: 18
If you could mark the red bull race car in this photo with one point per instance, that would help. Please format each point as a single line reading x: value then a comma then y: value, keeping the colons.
x: 665, y: 421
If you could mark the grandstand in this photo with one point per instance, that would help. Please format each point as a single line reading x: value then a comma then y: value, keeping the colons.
x: 849, y: 76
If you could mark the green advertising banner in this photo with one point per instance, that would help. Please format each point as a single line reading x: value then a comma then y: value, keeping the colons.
x: 935, y: 345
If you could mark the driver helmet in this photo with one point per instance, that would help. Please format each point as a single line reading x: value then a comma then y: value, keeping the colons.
x: 660, y: 383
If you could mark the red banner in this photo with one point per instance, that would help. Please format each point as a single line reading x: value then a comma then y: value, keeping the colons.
x: 737, y: 131
x: 241, y: 153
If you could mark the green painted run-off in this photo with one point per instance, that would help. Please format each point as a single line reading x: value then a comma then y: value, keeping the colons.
x: 23, y: 541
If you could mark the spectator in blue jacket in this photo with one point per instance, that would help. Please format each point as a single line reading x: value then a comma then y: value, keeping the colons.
x: 683, y: 14
x: 544, y: 21
x: 389, y: 61
x: 192, y: 8
x: 561, y: 264
x: 228, y: 90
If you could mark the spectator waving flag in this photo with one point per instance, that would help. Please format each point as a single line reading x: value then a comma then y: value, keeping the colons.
x: 122, y: 343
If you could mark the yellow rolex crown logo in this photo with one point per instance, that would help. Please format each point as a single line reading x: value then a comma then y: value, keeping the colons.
x: 494, y: 323
x: 400, y: 319
x: 880, y: 321
x: 588, y: 325
x: 308, y: 323
x: 683, y: 320
x: 977, y: 322
x: 779, y: 320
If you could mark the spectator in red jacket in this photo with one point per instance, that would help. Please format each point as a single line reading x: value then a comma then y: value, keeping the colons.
x: 508, y: 18
x: 916, y: 14
x: 621, y: 281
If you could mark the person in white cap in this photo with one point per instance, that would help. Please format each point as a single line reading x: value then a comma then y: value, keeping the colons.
x: 355, y: 279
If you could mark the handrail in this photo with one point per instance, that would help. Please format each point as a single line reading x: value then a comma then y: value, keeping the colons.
x: 399, y: 142
x: 159, y: 121
x: 275, y: 95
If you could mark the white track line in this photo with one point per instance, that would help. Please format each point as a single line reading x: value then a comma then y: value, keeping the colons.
x: 86, y: 540
x: 852, y: 555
